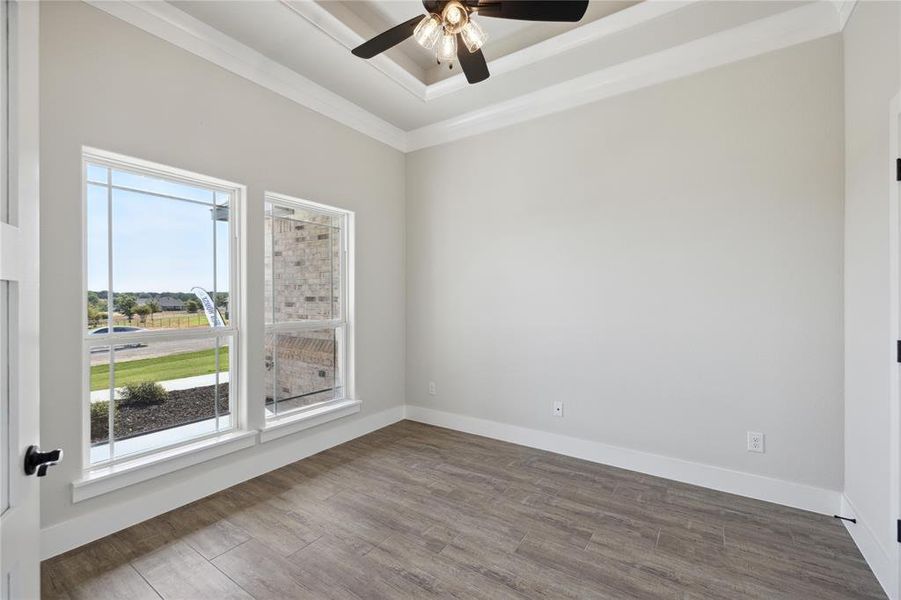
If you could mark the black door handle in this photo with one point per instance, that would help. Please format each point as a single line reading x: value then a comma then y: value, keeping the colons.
x: 35, y: 460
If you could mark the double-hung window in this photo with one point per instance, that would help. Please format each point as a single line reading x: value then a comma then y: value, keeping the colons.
x: 307, y: 304
x: 160, y: 317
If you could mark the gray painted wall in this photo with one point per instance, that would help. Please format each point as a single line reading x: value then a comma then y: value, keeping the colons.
x: 668, y: 263
x: 109, y: 85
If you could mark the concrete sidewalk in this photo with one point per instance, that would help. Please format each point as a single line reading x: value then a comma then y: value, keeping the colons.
x: 184, y: 383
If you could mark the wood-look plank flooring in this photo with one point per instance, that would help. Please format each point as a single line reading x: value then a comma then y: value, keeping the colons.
x: 413, y: 511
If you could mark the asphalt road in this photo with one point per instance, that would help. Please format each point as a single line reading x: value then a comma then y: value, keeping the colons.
x: 153, y: 350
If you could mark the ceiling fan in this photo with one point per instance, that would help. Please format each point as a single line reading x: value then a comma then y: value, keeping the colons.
x: 450, y: 29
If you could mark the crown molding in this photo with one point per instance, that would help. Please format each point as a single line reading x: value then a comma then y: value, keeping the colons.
x: 336, y: 29
x: 594, y: 31
x: 844, y: 9
x: 181, y: 29
x: 625, y: 19
x: 808, y: 22
x: 779, y: 31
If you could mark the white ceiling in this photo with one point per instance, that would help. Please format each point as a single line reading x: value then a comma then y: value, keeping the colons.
x: 538, y: 63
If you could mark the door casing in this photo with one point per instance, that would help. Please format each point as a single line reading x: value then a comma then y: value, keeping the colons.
x: 19, y: 264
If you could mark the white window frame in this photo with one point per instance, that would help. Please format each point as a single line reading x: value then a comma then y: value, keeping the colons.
x: 238, y: 429
x: 310, y: 416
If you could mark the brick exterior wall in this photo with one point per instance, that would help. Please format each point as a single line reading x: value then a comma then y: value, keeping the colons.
x: 302, y: 270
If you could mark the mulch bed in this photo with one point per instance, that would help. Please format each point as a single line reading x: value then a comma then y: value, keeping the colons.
x: 182, y: 407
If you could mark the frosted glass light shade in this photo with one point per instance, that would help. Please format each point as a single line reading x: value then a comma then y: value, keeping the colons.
x: 473, y: 36
x: 428, y: 31
x: 447, y: 48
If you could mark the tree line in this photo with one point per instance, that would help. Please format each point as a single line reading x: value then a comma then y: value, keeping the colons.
x: 126, y: 304
x: 221, y: 297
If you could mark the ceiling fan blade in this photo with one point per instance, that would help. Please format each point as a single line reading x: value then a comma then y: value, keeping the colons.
x: 532, y: 10
x: 433, y: 6
x: 387, y: 39
x: 473, y: 63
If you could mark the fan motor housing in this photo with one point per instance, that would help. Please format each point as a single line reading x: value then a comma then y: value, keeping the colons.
x: 437, y: 6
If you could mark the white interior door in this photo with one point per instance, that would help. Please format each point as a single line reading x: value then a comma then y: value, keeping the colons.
x: 894, y: 164
x: 19, y: 415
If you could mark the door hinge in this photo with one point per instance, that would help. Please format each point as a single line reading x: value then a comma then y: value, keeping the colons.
x: 899, y: 531
x: 898, y: 354
x: 898, y: 169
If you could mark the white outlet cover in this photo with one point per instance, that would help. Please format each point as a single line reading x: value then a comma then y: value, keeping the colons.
x: 756, y: 441
x: 433, y: 388
x: 558, y: 409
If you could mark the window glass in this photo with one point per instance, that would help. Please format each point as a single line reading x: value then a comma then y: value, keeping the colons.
x: 170, y: 257
x: 301, y: 369
x: 98, y: 174
x: 158, y: 185
x: 163, y: 393
x: 99, y: 366
x: 165, y: 248
x: 305, y: 269
x: 97, y: 243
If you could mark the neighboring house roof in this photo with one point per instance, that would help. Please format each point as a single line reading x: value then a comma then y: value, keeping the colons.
x: 169, y: 301
x: 144, y: 300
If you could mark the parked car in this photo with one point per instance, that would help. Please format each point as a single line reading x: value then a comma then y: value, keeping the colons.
x: 118, y: 329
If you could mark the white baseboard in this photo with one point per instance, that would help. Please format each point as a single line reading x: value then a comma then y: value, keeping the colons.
x: 759, y: 487
x: 883, y: 562
x: 64, y: 536
x: 61, y: 537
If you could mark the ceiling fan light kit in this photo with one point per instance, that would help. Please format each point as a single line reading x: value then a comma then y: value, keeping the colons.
x: 428, y: 31
x: 442, y: 30
x: 449, y: 29
x: 454, y: 17
x: 447, y: 48
x: 473, y: 36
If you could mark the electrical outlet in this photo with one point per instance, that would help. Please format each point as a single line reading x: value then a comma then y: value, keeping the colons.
x: 433, y: 388
x: 558, y: 409
x: 755, y: 442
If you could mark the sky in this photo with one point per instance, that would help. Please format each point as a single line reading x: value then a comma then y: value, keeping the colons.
x: 158, y: 244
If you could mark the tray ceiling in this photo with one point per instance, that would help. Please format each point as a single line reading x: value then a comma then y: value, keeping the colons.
x: 368, y: 17
x: 301, y: 49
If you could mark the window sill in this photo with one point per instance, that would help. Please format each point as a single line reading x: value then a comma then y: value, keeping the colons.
x: 305, y: 419
x: 105, y: 479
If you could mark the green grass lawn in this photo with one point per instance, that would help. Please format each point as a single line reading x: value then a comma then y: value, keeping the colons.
x: 164, y: 320
x: 161, y: 368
